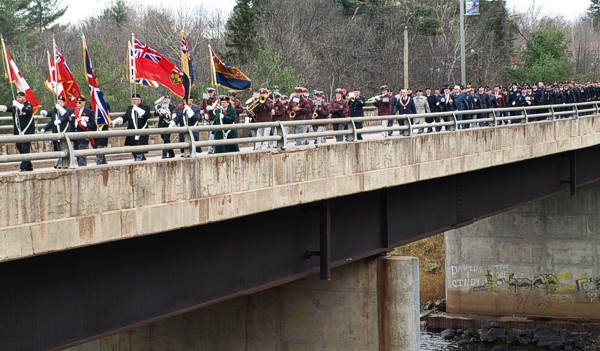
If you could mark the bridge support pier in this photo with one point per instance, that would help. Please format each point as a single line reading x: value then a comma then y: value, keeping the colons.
x: 541, y: 259
x: 371, y: 304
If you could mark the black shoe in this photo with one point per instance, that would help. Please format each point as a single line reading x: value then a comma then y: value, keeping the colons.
x: 164, y: 156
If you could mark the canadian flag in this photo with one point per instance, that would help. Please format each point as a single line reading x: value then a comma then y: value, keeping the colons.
x: 14, y: 76
x: 51, y: 82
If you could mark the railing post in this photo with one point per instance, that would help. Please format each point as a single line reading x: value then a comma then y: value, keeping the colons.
x: 281, y: 143
x: 69, y: 161
x: 525, y: 115
x: 353, y: 136
x: 553, y: 116
x: 495, y: 121
x: 455, y: 120
x: 189, y: 138
x: 410, y: 130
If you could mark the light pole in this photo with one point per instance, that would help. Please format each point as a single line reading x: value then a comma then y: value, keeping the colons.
x: 463, y: 74
x: 405, y: 57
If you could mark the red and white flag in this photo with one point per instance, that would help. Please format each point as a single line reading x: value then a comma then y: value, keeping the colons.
x: 15, y: 77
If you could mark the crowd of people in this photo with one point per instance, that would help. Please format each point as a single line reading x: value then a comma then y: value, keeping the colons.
x: 269, y: 106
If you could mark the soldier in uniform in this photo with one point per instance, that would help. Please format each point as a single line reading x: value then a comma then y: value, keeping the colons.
x: 338, y: 108
x: 405, y: 106
x: 433, y: 107
x: 164, y: 110
x: 136, y: 116
x: 23, y: 123
x: 187, y: 115
x: 446, y: 104
x: 357, y: 104
x: 59, y: 117
x: 82, y: 120
x: 482, y: 101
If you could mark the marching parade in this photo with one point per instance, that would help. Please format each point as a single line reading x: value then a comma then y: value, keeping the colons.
x: 181, y: 108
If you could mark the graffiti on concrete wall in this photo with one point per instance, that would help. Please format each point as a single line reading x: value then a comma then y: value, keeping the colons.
x: 558, y: 287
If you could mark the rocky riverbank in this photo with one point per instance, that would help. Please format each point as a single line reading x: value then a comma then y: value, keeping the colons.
x: 497, y: 338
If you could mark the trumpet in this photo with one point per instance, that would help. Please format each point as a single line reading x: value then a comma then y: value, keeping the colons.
x: 315, y: 115
x: 292, y: 115
x: 262, y: 99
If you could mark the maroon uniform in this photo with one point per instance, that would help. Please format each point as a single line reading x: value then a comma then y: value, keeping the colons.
x: 262, y: 112
x: 305, y: 111
x: 384, y: 105
x: 209, y: 102
x: 279, y: 109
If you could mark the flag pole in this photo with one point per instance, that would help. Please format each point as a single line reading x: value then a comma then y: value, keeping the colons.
x: 184, y: 68
x: 53, y: 83
x: 7, y: 68
x: 133, y: 86
x: 214, y: 72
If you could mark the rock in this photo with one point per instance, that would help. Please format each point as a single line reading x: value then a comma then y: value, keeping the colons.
x: 524, y: 341
x: 425, y: 314
x: 440, y: 305
x: 463, y: 342
x: 499, y: 348
x: 460, y: 331
x: 512, y: 338
x: 543, y: 334
x: 431, y: 267
x: 447, y: 334
x: 428, y: 305
x: 494, y: 334
x: 474, y: 340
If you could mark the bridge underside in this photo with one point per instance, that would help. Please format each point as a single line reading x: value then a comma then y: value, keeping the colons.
x: 65, y: 298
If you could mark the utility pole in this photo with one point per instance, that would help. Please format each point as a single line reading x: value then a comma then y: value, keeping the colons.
x: 463, y: 74
x: 405, y: 57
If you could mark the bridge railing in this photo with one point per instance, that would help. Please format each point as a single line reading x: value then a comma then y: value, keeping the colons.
x: 407, y: 125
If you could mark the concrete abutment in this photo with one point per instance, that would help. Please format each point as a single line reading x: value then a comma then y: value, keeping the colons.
x: 372, y: 304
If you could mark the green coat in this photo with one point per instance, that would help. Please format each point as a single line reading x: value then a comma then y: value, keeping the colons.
x: 228, y: 118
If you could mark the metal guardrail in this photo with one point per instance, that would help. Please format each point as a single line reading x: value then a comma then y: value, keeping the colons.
x: 452, y: 121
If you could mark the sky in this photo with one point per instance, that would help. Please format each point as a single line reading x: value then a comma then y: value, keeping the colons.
x: 79, y: 9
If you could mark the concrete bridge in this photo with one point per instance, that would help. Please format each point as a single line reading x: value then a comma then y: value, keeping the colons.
x: 90, y: 251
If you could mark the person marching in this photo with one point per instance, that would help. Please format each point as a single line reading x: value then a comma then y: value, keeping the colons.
x: 383, y: 102
x: 22, y: 114
x: 356, y: 103
x: 164, y: 111
x: 82, y: 120
x: 225, y: 114
x: 262, y: 112
x: 59, y: 116
x: 321, y: 112
x: 187, y: 115
x: 339, y: 109
x: 299, y: 108
x: 136, y: 116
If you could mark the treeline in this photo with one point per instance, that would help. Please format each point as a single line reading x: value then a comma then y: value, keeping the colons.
x: 322, y: 44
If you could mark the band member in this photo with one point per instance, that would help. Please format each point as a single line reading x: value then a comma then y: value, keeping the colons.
x: 383, y: 102
x: 22, y: 114
x: 321, y: 112
x: 261, y: 112
x: 405, y: 106
x: 59, y: 117
x: 275, y: 92
x: 82, y: 120
x: 300, y: 110
x: 136, y: 116
x: 356, y: 104
x: 206, y: 108
x: 338, y: 108
x: 187, y: 115
x: 225, y: 114
x: 164, y: 110
x: 236, y: 104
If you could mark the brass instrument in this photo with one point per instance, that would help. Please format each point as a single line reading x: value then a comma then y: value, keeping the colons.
x: 293, y: 113
x: 262, y: 99
x: 251, y: 104
x: 315, y: 115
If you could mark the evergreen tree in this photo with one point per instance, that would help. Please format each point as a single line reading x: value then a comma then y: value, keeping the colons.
x: 118, y: 12
x: 594, y: 12
x: 242, y: 38
x: 546, y: 56
x: 12, y: 13
x: 42, y: 13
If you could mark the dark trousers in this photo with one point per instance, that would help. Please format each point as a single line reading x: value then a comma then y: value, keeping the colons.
x: 359, y: 125
x: 196, y: 136
x: 25, y: 148
x: 80, y: 145
x: 166, y: 138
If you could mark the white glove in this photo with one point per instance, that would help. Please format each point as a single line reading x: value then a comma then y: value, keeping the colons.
x: 514, y: 102
x: 172, y: 124
x: 117, y: 121
x: 377, y: 98
x: 139, y: 110
x: 44, y: 113
x: 57, y: 122
x: 186, y: 107
x: 3, y: 108
x: 209, y: 108
x: 85, y: 119
x: 83, y: 123
x: 42, y: 130
x: 189, y: 112
x: 272, y: 112
x: 17, y: 105
x: 61, y: 110
x: 173, y: 116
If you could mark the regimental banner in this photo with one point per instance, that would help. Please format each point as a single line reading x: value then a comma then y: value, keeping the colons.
x: 471, y: 7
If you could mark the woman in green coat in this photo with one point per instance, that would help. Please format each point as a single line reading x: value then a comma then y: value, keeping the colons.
x: 225, y: 115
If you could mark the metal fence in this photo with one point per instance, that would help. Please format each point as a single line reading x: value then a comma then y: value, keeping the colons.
x: 450, y: 121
